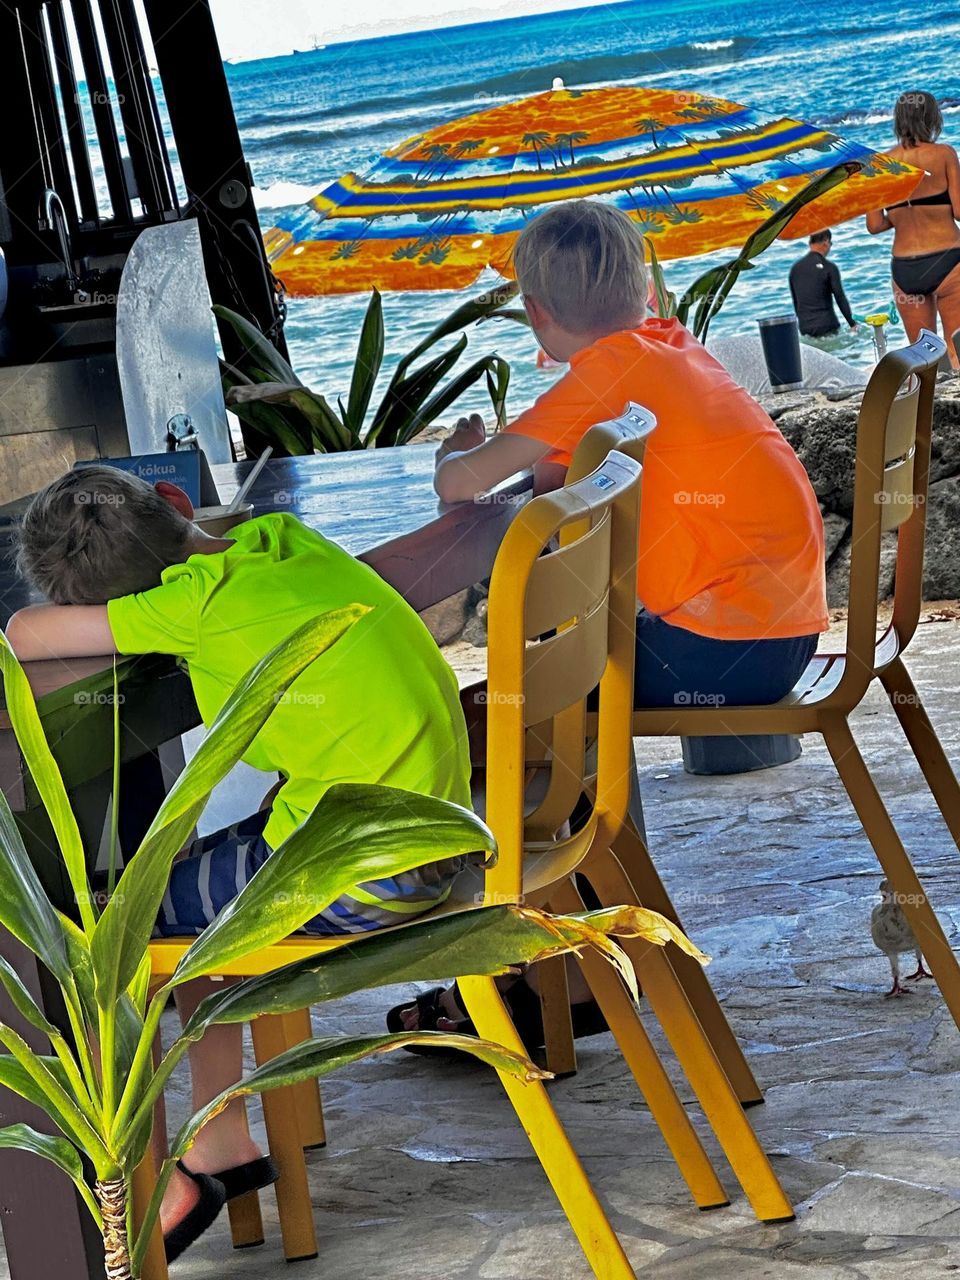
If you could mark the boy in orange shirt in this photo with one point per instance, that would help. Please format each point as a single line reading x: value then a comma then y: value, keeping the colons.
x: 731, y: 577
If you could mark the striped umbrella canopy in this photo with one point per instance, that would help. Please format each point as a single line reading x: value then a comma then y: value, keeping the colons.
x: 694, y: 172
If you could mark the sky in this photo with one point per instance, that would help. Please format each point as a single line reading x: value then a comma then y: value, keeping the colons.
x: 262, y: 28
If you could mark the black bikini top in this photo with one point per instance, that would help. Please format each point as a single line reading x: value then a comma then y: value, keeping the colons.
x: 941, y: 197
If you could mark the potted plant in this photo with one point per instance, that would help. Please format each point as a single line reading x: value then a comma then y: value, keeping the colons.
x: 98, y: 1084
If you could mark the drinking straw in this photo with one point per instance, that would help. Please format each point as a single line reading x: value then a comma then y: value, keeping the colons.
x: 248, y: 483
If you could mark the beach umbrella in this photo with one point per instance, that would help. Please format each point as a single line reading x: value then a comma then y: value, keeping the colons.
x: 696, y: 173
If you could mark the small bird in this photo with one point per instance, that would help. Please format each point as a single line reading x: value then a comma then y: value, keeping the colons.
x: 891, y: 932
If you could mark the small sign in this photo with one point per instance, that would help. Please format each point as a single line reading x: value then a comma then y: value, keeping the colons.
x: 181, y: 468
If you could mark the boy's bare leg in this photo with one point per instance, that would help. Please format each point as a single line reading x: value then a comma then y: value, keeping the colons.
x: 216, y: 1062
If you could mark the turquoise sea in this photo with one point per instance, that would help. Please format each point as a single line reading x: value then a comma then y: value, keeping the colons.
x: 310, y: 116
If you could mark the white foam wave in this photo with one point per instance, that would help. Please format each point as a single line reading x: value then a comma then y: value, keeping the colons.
x: 281, y: 194
x: 710, y: 44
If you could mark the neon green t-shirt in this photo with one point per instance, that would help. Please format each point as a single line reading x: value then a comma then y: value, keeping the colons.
x: 381, y: 705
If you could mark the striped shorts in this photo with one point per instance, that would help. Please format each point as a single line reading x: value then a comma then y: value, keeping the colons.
x: 218, y: 866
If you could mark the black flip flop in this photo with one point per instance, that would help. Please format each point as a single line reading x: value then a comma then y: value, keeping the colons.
x: 203, y: 1214
x: 252, y: 1176
x: 523, y: 1005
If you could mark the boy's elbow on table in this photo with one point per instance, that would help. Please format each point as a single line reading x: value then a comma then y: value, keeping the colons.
x: 454, y: 482
x: 46, y: 631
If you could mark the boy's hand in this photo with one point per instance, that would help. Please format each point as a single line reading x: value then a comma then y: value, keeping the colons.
x: 467, y: 434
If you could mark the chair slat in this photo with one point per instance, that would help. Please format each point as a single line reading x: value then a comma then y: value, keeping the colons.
x: 567, y: 583
x: 562, y: 670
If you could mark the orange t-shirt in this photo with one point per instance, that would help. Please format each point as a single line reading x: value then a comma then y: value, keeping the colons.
x: 731, y: 537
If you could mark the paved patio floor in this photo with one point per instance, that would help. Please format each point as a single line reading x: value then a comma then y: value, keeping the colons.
x: 427, y: 1176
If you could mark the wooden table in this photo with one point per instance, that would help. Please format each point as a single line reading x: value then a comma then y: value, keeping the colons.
x: 379, y: 506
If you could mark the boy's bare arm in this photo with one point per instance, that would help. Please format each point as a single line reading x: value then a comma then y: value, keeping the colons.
x: 462, y: 475
x: 60, y: 631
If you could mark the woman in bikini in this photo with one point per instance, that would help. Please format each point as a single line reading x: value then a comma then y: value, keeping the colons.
x: 926, y: 242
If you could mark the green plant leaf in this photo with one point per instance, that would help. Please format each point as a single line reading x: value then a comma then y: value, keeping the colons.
x: 20, y: 1137
x: 485, y: 941
x: 54, y: 1096
x: 498, y: 383
x: 366, y: 366
x: 712, y: 288
x: 356, y: 833
x: 312, y: 1060
x: 25, y: 719
x: 473, y: 311
x: 259, y: 351
x: 23, y: 1001
x: 123, y: 931
x: 404, y: 399
x: 450, y: 394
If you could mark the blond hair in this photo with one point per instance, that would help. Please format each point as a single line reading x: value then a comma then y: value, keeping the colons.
x: 98, y: 533
x: 583, y: 261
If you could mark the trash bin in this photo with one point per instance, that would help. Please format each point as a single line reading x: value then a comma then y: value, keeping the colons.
x: 729, y: 754
x: 780, y: 339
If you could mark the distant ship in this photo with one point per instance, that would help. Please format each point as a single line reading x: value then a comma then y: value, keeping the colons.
x: 317, y: 45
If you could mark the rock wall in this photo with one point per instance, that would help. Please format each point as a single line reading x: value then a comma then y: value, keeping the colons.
x: 822, y: 431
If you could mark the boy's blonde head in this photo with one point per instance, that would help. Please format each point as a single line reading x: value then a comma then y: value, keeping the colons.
x: 583, y: 262
x: 98, y: 533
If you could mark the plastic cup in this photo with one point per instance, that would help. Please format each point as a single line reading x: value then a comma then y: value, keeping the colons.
x: 780, y: 339
x: 216, y: 521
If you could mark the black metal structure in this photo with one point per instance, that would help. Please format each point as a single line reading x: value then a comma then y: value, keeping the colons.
x: 85, y: 166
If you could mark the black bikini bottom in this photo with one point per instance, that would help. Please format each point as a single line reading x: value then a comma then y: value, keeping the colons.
x: 925, y: 272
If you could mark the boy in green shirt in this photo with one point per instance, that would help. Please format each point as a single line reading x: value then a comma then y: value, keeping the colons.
x: 128, y: 572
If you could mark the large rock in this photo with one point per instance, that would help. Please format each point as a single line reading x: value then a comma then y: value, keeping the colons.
x: 823, y: 433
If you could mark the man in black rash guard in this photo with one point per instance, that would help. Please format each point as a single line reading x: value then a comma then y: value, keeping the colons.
x: 814, y: 284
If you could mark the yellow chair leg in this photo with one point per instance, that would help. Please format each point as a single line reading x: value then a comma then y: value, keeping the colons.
x: 286, y: 1147
x: 648, y: 1071
x: 721, y: 1106
x: 559, y: 1045
x: 926, y: 745
x: 549, y: 1140
x: 297, y: 1028
x: 144, y: 1181
x: 635, y: 862
x: 893, y: 858
x: 246, y: 1220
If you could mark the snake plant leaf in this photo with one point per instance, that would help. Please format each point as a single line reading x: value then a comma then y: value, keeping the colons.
x: 366, y: 366
x: 453, y: 391
x: 123, y: 931
x: 25, y: 720
x: 312, y: 1060
x: 404, y: 398
x: 357, y: 832
x: 21, y: 1137
x: 712, y: 288
x: 258, y: 349
x: 434, y: 949
x: 498, y: 383
x: 473, y: 311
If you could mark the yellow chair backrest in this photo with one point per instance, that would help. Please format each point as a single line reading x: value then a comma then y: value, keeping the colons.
x: 890, y: 493
x: 628, y: 433
x: 560, y: 623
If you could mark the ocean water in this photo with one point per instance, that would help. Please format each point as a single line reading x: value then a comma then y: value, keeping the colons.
x: 309, y: 117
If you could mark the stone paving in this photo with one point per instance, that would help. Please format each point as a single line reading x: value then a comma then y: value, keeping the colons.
x: 427, y: 1175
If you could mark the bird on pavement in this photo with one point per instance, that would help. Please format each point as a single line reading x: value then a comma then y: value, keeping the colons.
x: 891, y: 932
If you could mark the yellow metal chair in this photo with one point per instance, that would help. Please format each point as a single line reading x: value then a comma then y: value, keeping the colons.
x: 607, y: 501
x: 890, y: 493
